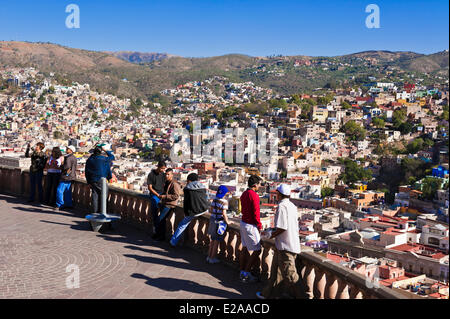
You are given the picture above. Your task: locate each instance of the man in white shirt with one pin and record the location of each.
(283, 274)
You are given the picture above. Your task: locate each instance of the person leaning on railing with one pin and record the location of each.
(283, 274)
(155, 183)
(64, 190)
(54, 168)
(98, 166)
(250, 230)
(38, 160)
(169, 200)
(217, 223)
(195, 204)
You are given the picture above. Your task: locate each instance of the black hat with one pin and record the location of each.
(253, 180)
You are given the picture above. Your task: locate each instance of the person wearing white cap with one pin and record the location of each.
(284, 278)
(64, 190)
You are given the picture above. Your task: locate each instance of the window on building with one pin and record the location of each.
(433, 241)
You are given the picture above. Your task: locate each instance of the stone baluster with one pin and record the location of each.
(118, 204)
(112, 204)
(124, 206)
(223, 246)
(206, 240)
(331, 286)
(231, 252)
(146, 211)
(342, 291)
(201, 232)
(170, 220)
(355, 293)
(319, 283)
(266, 260)
(309, 275)
(130, 209)
(85, 196)
(139, 209)
(193, 232)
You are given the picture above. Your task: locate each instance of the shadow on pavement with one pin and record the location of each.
(172, 284)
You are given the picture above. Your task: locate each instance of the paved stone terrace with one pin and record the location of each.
(38, 243)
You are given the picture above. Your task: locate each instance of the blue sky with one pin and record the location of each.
(217, 27)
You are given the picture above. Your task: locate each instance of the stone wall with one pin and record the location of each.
(321, 277)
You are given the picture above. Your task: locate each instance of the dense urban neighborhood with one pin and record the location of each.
(367, 164)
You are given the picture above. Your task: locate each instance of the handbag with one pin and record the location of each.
(221, 227)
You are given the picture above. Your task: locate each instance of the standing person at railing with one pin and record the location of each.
(195, 204)
(155, 183)
(284, 277)
(169, 199)
(250, 229)
(64, 191)
(38, 161)
(217, 223)
(54, 168)
(98, 166)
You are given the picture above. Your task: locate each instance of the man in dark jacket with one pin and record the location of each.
(98, 167)
(155, 183)
(64, 190)
(38, 160)
(195, 203)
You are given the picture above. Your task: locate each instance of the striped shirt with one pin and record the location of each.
(217, 208)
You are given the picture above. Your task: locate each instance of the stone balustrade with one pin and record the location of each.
(321, 278)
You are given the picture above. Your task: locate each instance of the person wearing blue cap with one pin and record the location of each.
(217, 223)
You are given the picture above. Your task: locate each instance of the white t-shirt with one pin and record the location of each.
(286, 218)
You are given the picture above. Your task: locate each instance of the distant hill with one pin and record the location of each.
(385, 56)
(140, 57)
(147, 73)
(101, 70)
(428, 63)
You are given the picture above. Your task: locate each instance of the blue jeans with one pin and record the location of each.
(180, 230)
(64, 195)
(154, 208)
(36, 180)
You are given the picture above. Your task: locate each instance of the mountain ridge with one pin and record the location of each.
(152, 72)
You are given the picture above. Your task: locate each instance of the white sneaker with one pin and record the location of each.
(207, 259)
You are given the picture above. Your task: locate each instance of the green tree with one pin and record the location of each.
(354, 173)
(354, 131)
(345, 105)
(429, 187)
(398, 117)
(281, 103)
(327, 192)
(42, 99)
(377, 122)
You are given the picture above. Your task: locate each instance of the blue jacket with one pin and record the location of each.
(99, 166)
